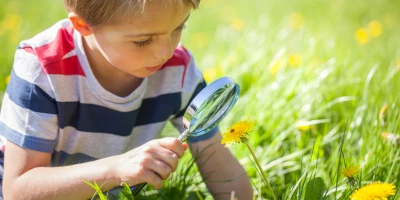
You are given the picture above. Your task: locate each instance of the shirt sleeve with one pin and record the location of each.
(28, 116)
(193, 84)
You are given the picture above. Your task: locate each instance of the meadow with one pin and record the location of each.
(320, 80)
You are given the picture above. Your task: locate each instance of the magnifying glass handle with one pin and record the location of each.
(136, 189)
(182, 138)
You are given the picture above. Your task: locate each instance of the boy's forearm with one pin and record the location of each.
(62, 182)
(217, 165)
(227, 176)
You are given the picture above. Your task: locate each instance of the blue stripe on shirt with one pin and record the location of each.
(94, 118)
(27, 141)
(159, 109)
(30, 96)
(90, 117)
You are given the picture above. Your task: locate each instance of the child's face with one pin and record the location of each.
(142, 45)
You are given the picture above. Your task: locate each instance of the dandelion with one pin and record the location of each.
(7, 80)
(296, 20)
(11, 22)
(210, 74)
(275, 66)
(277, 62)
(295, 60)
(350, 172)
(237, 24)
(303, 125)
(361, 36)
(238, 133)
(391, 137)
(375, 28)
(382, 114)
(374, 191)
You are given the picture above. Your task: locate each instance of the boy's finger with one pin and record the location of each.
(185, 146)
(172, 144)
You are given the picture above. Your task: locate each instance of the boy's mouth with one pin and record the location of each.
(153, 69)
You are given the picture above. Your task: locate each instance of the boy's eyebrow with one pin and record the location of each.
(151, 34)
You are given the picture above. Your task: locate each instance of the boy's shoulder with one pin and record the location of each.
(58, 35)
(53, 47)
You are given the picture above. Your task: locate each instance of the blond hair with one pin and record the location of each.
(104, 12)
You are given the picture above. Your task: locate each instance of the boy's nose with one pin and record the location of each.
(164, 50)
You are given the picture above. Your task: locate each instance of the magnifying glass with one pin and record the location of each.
(206, 110)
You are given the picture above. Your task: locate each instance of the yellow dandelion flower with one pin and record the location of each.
(7, 80)
(275, 66)
(375, 28)
(237, 133)
(303, 125)
(391, 137)
(210, 74)
(361, 36)
(295, 60)
(237, 24)
(349, 172)
(374, 191)
(382, 114)
(277, 62)
(296, 20)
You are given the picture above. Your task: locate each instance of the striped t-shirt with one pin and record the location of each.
(54, 103)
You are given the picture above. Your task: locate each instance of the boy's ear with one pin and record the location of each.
(79, 24)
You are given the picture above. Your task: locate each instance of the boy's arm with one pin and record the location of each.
(27, 174)
(221, 166)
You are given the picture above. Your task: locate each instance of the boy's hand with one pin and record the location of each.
(150, 163)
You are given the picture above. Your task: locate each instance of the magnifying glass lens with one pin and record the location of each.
(213, 110)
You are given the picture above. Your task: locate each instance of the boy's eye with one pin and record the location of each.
(181, 28)
(143, 43)
(149, 41)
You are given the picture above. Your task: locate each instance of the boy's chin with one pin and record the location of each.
(144, 74)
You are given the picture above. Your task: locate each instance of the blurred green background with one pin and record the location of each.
(312, 72)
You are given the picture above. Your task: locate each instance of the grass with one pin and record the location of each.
(295, 61)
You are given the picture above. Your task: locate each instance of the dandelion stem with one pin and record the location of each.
(261, 170)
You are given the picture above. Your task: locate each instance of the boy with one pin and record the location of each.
(88, 97)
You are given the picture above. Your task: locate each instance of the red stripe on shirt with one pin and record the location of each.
(67, 66)
(180, 58)
(51, 55)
